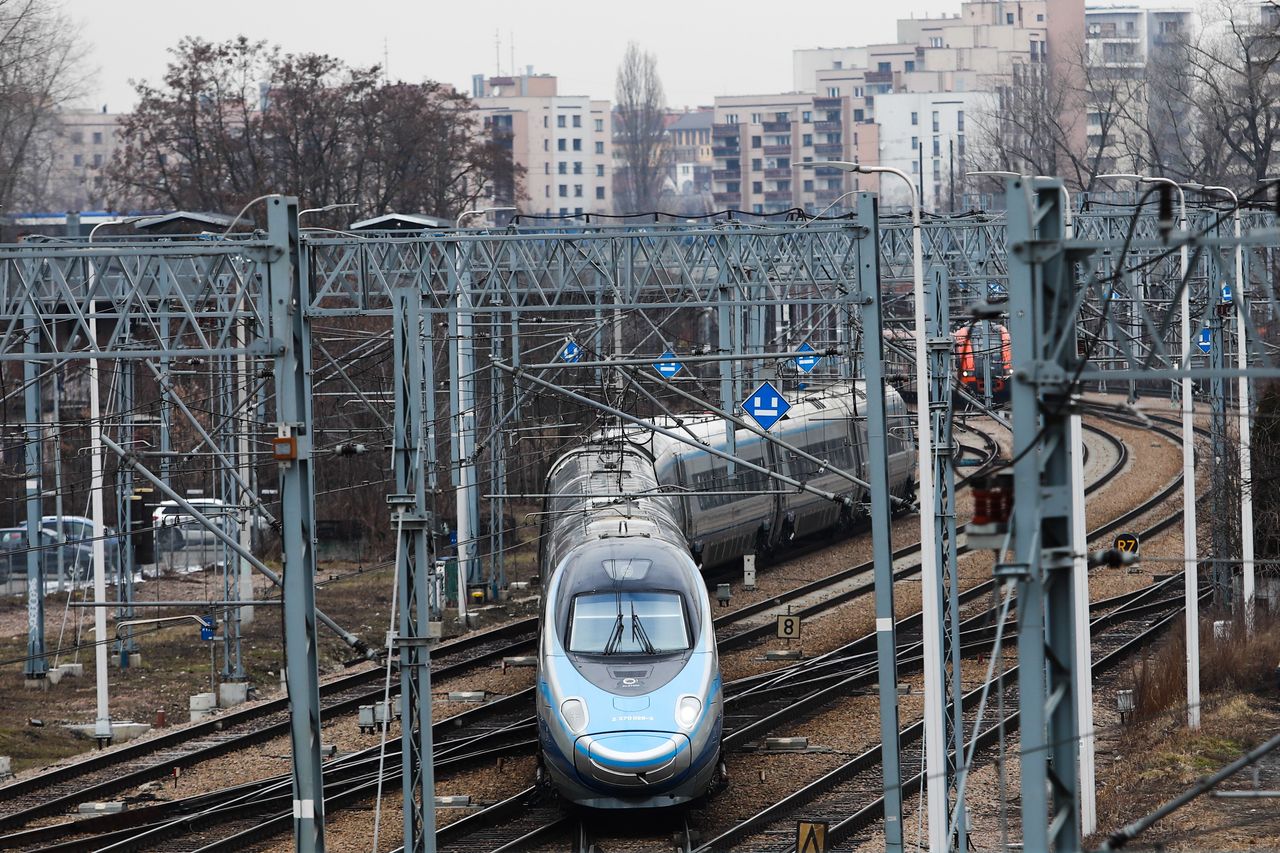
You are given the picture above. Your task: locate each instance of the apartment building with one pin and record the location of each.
(1122, 46)
(759, 143)
(73, 176)
(689, 142)
(926, 135)
(564, 143)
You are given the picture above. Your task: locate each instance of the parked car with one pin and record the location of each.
(176, 528)
(77, 557)
(78, 529)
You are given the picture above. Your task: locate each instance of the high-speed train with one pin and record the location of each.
(629, 695)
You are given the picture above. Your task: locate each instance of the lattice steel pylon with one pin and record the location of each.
(1042, 312)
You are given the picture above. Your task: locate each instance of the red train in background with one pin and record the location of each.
(983, 356)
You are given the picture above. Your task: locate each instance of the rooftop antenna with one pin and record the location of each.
(497, 53)
(512, 35)
(386, 62)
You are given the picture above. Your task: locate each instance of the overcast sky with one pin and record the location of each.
(704, 47)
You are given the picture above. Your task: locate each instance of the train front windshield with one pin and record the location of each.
(628, 622)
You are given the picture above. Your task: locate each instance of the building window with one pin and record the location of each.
(833, 184)
(755, 142)
(935, 41)
(564, 211)
(97, 137)
(806, 139)
(757, 186)
(564, 190)
(600, 193)
(562, 168)
(561, 144)
(937, 147)
(833, 91)
(915, 167)
(730, 118)
(806, 116)
(77, 160)
(1040, 17)
(733, 187)
(833, 139)
(909, 65)
(784, 186)
(577, 168)
(782, 118)
(837, 65)
(599, 125)
(77, 138)
(559, 121)
(756, 164)
(915, 119)
(935, 121)
(599, 170)
(546, 121)
(577, 121)
(599, 147)
(960, 121)
(884, 67)
(577, 190)
(808, 186)
(782, 140)
(577, 145)
(577, 211)
(859, 114)
(1008, 17)
(546, 168)
(915, 143)
(937, 170)
(546, 145)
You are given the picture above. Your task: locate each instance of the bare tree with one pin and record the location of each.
(1236, 66)
(238, 119)
(640, 130)
(1057, 118)
(40, 71)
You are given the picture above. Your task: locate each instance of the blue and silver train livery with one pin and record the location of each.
(630, 700)
(630, 706)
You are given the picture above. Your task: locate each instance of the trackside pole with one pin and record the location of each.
(881, 527)
(1084, 653)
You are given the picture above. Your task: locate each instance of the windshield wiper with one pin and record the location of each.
(615, 636)
(638, 632)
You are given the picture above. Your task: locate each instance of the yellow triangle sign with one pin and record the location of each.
(811, 836)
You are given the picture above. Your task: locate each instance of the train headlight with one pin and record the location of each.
(687, 711)
(575, 714)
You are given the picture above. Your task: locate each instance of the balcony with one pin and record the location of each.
(727, 198)
(879, 77)
(827, 103)
(777, 127)
(724, 131)
(828, 149)
(826, 196)
(726, 152)
(777, 150)
(726, 174)
(826, 127)
(828, 172)
(778, 195)
(784, 174)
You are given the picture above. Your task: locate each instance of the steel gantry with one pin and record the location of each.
(484, 388)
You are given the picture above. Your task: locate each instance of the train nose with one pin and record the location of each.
(632, 759)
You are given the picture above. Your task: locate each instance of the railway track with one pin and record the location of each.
(103, 775)
(519, 729)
